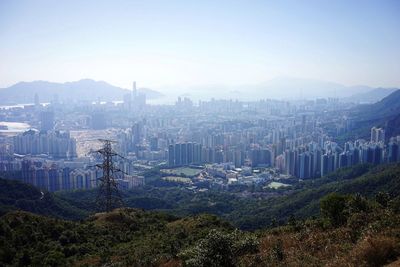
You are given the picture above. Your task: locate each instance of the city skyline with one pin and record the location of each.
(199, 133)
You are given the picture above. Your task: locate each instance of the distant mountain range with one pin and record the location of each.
(298, 88)
(86, 89)
(285, 88)
(289, 87)
(278, 88)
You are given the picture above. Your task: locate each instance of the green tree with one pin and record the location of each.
(333, 208)
(357, 203)
(214, 250)
(220, 249)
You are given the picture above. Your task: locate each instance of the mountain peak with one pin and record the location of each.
(88, 80)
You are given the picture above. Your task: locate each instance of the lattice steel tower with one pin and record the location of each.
(108, 197)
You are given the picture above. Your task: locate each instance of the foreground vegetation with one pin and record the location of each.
(349, 218)
(352, 231)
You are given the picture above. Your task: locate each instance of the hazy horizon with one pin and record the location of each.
(279, 88)
(142, 84)
(166, 44)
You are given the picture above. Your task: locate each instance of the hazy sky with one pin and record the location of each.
(200, 42)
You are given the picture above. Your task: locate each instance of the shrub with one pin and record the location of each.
(376, 251)
(220, 249)
(277, 251)
(333, 208)
(357, 203)
(214, 250)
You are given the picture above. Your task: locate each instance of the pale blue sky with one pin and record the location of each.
(170, 42)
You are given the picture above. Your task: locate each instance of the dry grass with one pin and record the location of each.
(305, 248)
(171, 263)
(375, 251)
(332, 247)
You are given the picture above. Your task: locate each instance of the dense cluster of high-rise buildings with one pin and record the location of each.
(294, 139)
(55, 144)
(62, 175)
(307, 161)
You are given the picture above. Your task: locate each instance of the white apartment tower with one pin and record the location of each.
(377, 135)
(134, 91)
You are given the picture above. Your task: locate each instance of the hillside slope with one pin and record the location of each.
(340, 219)
(250, 213)
(245, 212)
(15, 195)
(303, 202)
(385, 113)
(128, 236)
(371, 96)
(368, 234)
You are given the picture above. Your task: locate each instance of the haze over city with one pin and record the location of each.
(200, 133)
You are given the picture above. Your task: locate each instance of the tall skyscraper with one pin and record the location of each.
(138, 100)
(393, 153)
(171, 155)
(305, 165)
(37, 102)
(303, 123)
(137, 130)
(184, 154)
(46, 120)
(377, 135)
(177, 156)
(134, 91)
(127, 101)
(153, 143)
(99, 121)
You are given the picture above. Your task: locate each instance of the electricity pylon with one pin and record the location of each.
(108, 197)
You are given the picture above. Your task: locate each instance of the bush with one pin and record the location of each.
(55, 258)
(376, 251)
(277, 251)
(220, 249)
(214, 250)
(357, 203)
(333, 208)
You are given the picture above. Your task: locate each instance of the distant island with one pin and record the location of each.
(82, 90)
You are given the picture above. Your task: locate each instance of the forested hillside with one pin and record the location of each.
(351, 231)
(243, 211)
(15, 195)
(252, 212)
